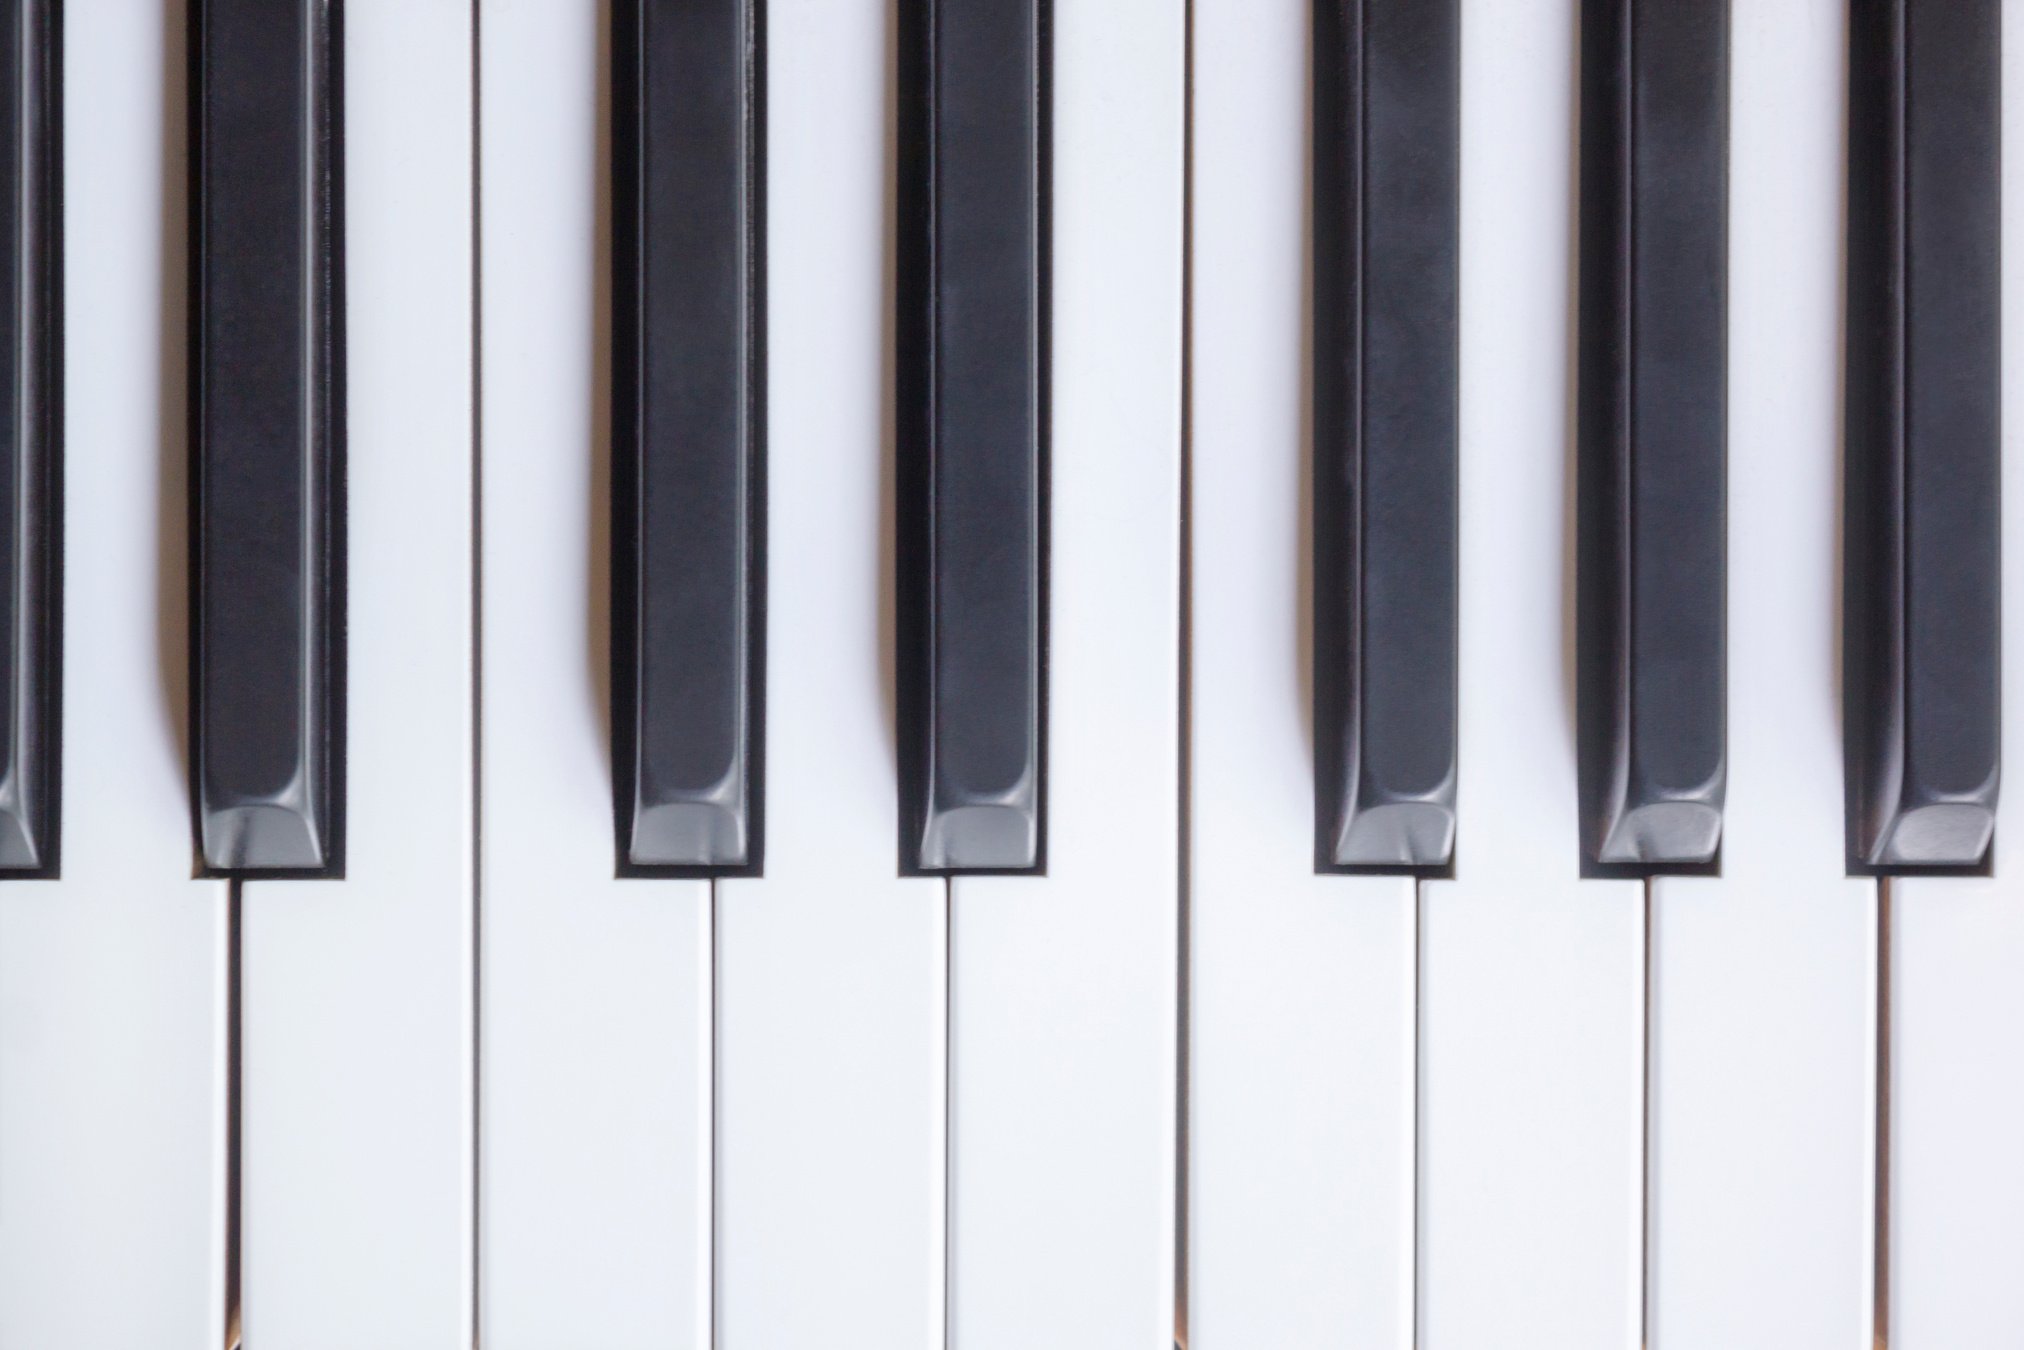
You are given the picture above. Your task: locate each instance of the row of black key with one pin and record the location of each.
(689, 399)
(267, 345)
(689, 430)
(1921, 678)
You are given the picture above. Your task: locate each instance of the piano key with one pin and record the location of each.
(1062, 987)
(1532, 992)
(356, 996)
(972, 315)
(1386, 114)
(1954, 1012)
(1300, 987)
(832, 990)
(1761, 1101)
(30, 399)
(686, 426)
(113, 981)
(266, 372)
(595, 1102)
(1955, 1007)
(1921, 612)
(1653, 400)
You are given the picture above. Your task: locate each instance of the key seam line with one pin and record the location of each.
(1184, 703)
(475, 1087)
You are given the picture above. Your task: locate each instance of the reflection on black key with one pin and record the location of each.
(1386, 135)
(688, 404)
(267, 423)
(1653, 411)
(31, 349)
(1920, 618)
(972, 416)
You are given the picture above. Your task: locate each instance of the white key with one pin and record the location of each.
(1956, 1003)
(1062, 988)
(1300, 1111)
(594, 1203)
(112, 980)
(1531, 979)
(356, 995)
(831, 969)
(1763, 999)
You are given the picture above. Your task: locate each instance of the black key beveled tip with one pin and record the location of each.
(279, 834)
(1944, 834)
(981, 834)
(688, 834)
(704, 828)
(1409, 835)
(20, 850)
(1665, 832)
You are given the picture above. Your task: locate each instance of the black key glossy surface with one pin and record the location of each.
(31, 352)
(1386, 232)
(972, 411)
(267, 430)
(1651, 629)
(1921, 598)
(687, 427)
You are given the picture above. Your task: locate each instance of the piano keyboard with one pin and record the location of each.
(998, 673)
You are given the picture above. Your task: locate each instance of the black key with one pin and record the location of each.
(1386, 229)
(1653, 400)
(972, 417)
(31, 346)
(1921, 620)
(688, 416)
(267, 421)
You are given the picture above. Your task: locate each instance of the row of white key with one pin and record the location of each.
(345, 1196)
(1620, 1119)
(489, 1093)
(832, 1104)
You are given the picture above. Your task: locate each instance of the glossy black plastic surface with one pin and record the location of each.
(1921, 596)
(1386, 235)
(1653, 402)
(687, 427)
(267, 425)
(972, 418)
(31, 352)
